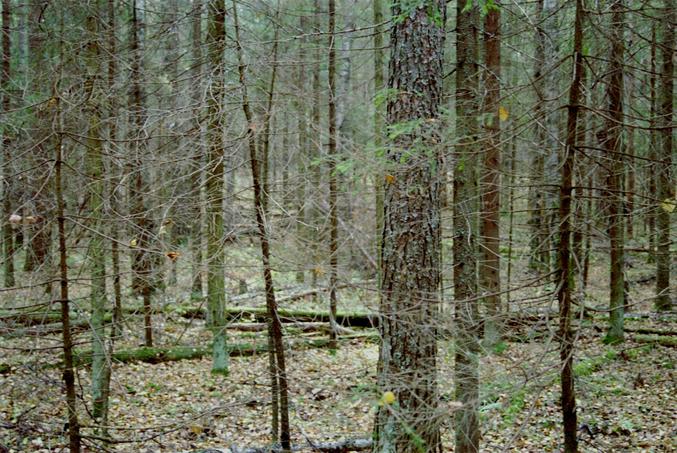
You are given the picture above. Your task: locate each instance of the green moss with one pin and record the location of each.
(663, 340)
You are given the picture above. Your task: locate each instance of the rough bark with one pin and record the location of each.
(410, 244)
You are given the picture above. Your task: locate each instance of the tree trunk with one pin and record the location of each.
(114, 206)
(664, 181)
(216, 285)
(97, 256)
(141, 261)
(302, 152)
(279, 371)
(316, 175)
(379, 65)
(490, 267)
(652, 210)
(613, 145)
(465, 231)
(564, 293)
(73, 425)
(408, 419)
(5, 176)
(196, 179)
(333, 182)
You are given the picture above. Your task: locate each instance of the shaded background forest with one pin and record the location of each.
(169, 167)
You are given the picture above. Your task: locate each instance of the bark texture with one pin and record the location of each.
(410, 244)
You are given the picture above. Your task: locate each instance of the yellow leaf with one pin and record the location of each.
(173, 255)
(390, 179)
(133, 243)
(668, 205)
(503, 113)
(388, 398)
(318, 271)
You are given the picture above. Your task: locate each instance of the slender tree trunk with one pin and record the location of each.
(317, 147)
(653, 147)
(564, 293)
(379, 69)
(216, 285)
(196, 179)
(490, 267)
(630, 184)
(465, 230)
(279, 377)
(407, 419)
(68, 370)
(97, 255)
(302, 154)
(664, 181)
(114, 207)
(5, 75)
(141, 261)
(613, 145)
(538, 243)
(333, 182)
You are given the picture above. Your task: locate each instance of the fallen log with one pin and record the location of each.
(161, 355)
(38, 330)
(301, 326)
(259, 314)
(669, 341)
(30, 318)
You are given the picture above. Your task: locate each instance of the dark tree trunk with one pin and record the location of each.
(68, 370)
(408, 420)
(333, 182)
(664, 181)
(279, 371)
(7, 233)
(216, 284)
(141, 260)
(490, 267)
(564, 294)
(379, 66)
(613, 146)
(465, 230)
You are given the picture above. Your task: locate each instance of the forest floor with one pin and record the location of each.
(625, 393)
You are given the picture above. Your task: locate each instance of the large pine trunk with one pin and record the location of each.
(410, 247)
